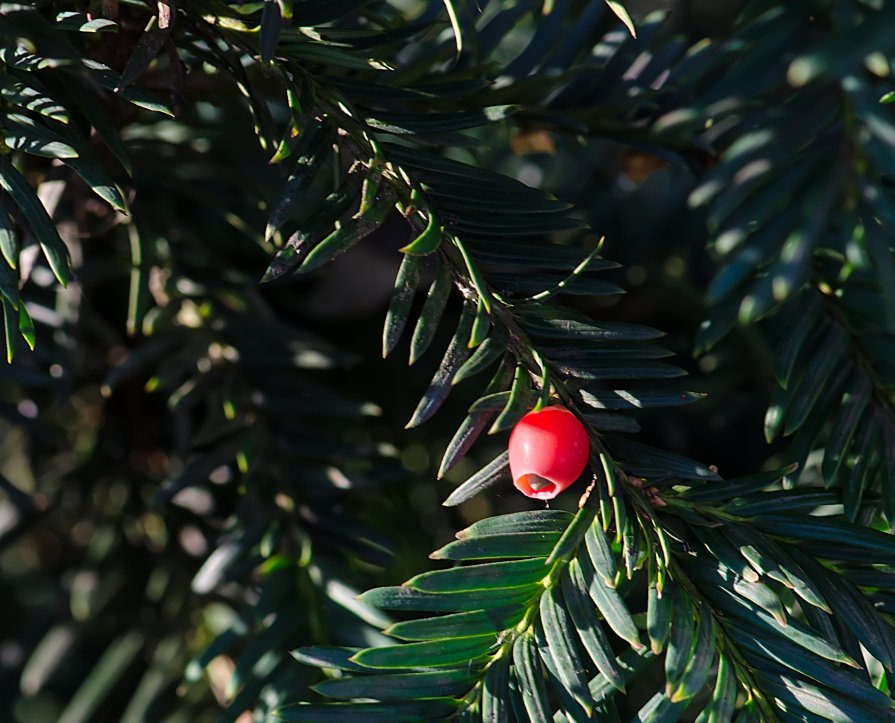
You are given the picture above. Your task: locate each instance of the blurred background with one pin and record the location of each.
(187, 455)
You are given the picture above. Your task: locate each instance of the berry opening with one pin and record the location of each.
(533, 485)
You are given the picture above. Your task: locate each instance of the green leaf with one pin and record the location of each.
(102, 124)
(659, 709)
(472, 426)
(610, 605)
(565, 285)
(487, 224)
(816, 378)
(476, 622)
(427, 654)
(420, 123)
(562, 646)
(757, 550)
(724, 695)
(495, 692)
(785, 363)
(16, 56)
(557, 327)
(782, 501)
(541, 257)
(518, 403)
(10, 328)
(9, 241)
(590, 631)
(455, 26)
(109, 79)
(318, 656)
(469, 431)
(797, 695)
(439, 172)
(636, 399)
(399, 712)
(799, 634)
(792, 656)
(440, 387)
(481, 326)
(595, 353)
(681, 642)
(844, 425)
(483, 357)
(527, 669)
(82, 23)
(32, 96)
(480, 577)
(138, 296)
(621, 369)
(622, 15)
(601, 555)
(793, 266)
(574, 533)
(739, 487)
(611, 422)
(483, 547)
(289, 144)
(720, 321)
(9, 285)
(697, 670)
(847, 603)
(405, 598)
(646, 461)
(332, 56)
(26, 326)
(269, 31)
(819, 529)
(492, 473)
(428, 240)
(431, 313)
(658, 616)
(147, 47)
(399, 686)
(630, 546)
(502, 200)
(550, 521)
(853, 490)
(631, 663)
(351, 232)
(402, 299)
(490, 402)
(21, 133)
(36, 215)
(313, 149)
(475, 276)
(88, 167)
(758, 593)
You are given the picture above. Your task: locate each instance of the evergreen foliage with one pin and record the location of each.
(192, 492)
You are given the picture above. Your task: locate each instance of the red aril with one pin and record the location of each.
(548, 452)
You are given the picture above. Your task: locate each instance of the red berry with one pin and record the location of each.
(548, 452)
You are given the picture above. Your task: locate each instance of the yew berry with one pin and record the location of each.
(548, 451)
